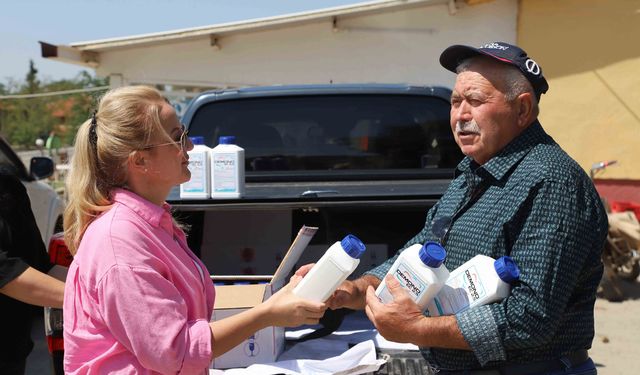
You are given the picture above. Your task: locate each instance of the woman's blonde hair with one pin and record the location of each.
(125, 121)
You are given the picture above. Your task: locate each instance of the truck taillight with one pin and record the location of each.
(58, 251)
(58, 254)
(53, 328)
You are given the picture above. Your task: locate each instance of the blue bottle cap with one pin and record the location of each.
(432, 254)
(507, 269)
(352, 246)
(227, 140)
(197, 140)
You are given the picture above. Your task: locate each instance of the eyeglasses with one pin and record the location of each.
(181, 143)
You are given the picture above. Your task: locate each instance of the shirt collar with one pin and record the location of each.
(498, 166)
(150, 212)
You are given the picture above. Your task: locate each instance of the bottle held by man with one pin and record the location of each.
(420, 271)
(479, 281)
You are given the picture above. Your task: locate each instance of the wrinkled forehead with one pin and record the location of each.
(483, 72)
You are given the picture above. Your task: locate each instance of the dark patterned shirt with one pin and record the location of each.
(534, 203)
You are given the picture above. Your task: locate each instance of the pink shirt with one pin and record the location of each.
(135, 301)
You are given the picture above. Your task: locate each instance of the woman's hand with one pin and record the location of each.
(285, 309)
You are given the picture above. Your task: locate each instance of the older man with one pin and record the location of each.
(515, 193)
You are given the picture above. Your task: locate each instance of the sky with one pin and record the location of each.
(25, 22)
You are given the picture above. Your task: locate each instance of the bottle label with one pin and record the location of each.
(408, 280)
(198, 181)
(224, 171)
(470, 281)
(460, 292)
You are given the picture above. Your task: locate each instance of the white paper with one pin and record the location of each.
(358, 360)
(355, 328)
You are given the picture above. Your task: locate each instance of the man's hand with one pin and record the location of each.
(398, 321)
(351, 294)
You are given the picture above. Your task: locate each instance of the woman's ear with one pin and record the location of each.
(137, 162)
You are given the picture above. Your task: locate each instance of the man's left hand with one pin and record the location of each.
(398, 320)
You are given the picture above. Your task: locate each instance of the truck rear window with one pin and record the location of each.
(334, 132)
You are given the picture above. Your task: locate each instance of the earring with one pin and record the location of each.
(145, 170)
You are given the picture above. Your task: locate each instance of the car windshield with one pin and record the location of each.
(334, 132)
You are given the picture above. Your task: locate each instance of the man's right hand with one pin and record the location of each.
(352, 294)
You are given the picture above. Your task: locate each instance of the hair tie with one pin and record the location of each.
(93, 136)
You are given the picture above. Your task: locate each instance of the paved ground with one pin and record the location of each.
(615, 347)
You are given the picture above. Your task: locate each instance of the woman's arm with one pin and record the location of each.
(283, 309)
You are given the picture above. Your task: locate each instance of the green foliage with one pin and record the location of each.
(24, 120)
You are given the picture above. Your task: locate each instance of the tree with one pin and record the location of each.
(32, 81)
(22, 121)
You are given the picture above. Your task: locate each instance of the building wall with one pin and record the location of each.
(590, 52)
(396, 47)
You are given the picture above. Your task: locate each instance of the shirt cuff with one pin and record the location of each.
(198, 355)
(480, 330)
(10, 269)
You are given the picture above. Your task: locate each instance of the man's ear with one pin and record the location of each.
(524, 104)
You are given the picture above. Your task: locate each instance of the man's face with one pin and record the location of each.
(482, 120)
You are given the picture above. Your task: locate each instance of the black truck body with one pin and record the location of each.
(366, 159)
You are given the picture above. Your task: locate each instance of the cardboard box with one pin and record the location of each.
(266, 344)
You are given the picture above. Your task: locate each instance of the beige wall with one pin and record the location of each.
(590, 52)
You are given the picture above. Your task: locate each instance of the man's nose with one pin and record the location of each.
(462, 112)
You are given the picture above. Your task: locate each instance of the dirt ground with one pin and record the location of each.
(615, 346)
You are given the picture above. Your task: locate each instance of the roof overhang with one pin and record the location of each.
(69, 55)
(87, 53)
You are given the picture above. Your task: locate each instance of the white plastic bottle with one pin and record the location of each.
(199, 186)
(420, 271)
(227, 169)
(479, 281)
(337, 263)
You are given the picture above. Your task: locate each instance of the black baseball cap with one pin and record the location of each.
(501, 51)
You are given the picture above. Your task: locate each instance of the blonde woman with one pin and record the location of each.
(137, 300)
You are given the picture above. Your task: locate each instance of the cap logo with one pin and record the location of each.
(532, 67)
(495, 45)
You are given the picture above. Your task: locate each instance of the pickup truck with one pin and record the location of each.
(367, 159)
